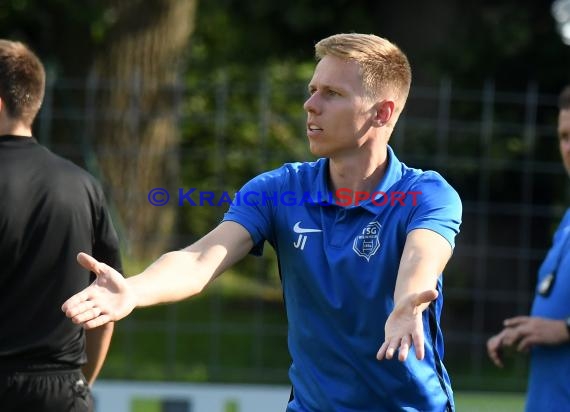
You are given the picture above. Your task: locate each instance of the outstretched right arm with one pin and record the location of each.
(173, 277)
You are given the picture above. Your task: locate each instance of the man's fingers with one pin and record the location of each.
(382, 351)
(512, 336)
(508, 340)
(89, 262)
(388, 349)
(517, 320)
(95, 323)
(86, 315)
(525, 344)
(405, 328)
(70, 305)
(404, 349)
(495, 357)
(390, 352)
(419, 345)
(79, 308)
(493, 350)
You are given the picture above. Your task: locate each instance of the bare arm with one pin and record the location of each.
(181, 274)
(97, 346)
(173, 277)
(424, 257)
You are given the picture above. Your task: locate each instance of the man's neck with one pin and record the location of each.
(358, 174)
(13, 126)
(16, 130)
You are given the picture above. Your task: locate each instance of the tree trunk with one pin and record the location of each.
(138, 75)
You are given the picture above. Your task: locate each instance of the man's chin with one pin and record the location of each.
(316, 151)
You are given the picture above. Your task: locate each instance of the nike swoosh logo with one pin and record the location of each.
(298, 229)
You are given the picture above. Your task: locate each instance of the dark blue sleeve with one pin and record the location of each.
(254, 207)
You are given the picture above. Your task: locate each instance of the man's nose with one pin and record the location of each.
(311, 104)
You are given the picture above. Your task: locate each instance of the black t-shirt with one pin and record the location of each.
(50, 209)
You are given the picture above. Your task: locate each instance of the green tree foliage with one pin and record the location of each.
(64, 33)
(247, 54)
(469, 41)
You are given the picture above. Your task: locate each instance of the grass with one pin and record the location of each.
(489, 402)
(464, 402)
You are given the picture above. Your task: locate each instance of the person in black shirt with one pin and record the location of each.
(50, 209)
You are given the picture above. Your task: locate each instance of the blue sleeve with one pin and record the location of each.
(556, 252)
(254, 207)
(438, 207)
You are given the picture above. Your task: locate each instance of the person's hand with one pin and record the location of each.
(404, 327)
(528, 331)
(107, 299)
(524, 332)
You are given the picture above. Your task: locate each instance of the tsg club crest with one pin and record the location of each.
(367, 243)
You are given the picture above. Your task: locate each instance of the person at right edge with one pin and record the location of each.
(546, 332)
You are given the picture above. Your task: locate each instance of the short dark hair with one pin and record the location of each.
(564, 99)
(22, 81)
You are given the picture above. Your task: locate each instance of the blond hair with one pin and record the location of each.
(383, 66)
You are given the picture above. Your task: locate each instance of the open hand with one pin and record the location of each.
(404, 327)
(107, 299)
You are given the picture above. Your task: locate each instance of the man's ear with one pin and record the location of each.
(384, 112)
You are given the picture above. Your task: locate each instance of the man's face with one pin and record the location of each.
(564, 137)
(338, 115)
